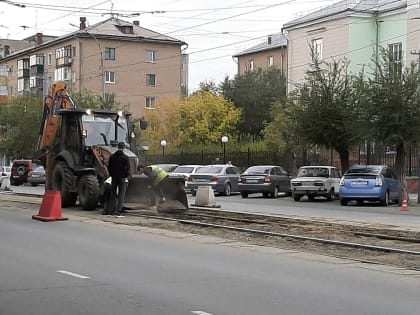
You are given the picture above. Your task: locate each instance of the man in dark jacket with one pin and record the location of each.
(119, 170)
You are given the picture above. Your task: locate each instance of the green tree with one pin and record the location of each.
(327, 109)
(255, 92)
(394, 111)
(198, 120)
(209, 86)
(88, 99)
(20, 119)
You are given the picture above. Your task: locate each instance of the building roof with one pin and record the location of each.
(349, 7)
(15, 45)
(272, 42)
(111, 28)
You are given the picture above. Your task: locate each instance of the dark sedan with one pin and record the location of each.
(269, 180)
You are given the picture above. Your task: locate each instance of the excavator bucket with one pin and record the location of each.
(139, 194)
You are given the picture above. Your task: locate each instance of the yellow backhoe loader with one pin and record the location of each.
(75, 145)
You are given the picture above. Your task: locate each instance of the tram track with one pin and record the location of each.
(379, 245)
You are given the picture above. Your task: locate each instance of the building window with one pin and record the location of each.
(251, 65)
(270, 61)
(23, 64)
(150, 102)
(316, 49)
(49, 59)
(109, 53)
(109, 77)
(151, 79)
(62, 74)
(151, 56)
(395, 51)
(395, 57)
(62, 52)
(35, 60)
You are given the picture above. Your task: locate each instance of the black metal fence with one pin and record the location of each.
(289, 161)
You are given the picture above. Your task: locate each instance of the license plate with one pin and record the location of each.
(359, 183)
(201, 180)
(252, 181)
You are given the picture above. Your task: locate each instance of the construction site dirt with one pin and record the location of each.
(367, 243)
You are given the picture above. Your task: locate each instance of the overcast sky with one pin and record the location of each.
(213, 29)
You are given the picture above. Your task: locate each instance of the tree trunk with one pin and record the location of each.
(344, 159)
(399, 167)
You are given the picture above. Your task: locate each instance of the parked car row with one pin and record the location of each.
(225, 179)
(361, 183)
(26, 171)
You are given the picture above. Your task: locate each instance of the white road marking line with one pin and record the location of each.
(201, 313)
(76, 275)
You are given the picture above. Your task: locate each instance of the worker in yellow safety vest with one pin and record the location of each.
(158, 182)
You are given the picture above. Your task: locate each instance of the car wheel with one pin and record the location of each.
(331, 195)
(296, 198)
(228, 190)
(343, 202)
(244, 194)
(275, 192)
(385, 201)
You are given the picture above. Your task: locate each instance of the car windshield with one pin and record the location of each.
(210, 170)
(313, 172)
(101, 129)
(258, 170)
(184, 169)
(364, 170)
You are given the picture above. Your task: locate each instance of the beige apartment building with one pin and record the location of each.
(268, 54)
(139, 66)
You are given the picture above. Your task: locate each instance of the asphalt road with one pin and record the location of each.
(85, 266)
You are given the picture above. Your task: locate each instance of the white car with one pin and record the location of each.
(5, 172)
(184, 171)
(313, 181)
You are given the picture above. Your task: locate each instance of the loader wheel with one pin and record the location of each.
(89, 192)
(62, 180)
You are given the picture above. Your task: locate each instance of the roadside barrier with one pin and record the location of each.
(5, 184)
(50, 207)
(205, 197)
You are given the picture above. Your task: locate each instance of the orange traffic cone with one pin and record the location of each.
(404, 206)
(50, 207)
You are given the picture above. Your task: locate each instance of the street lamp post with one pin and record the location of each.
(163, 144)
(224, 141)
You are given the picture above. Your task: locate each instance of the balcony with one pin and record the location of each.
(23, 73)
(64, 61)
(37, 69)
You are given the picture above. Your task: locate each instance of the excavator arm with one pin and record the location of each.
(59, 99)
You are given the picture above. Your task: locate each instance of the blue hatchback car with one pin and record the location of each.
(370, 183)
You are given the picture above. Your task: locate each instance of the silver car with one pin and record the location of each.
(223, 179)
